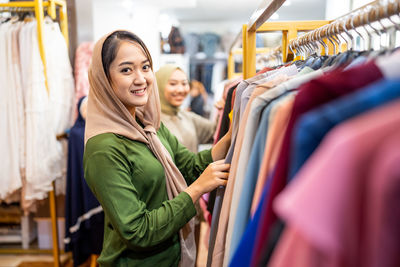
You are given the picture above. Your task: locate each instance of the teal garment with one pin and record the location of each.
(141, 224)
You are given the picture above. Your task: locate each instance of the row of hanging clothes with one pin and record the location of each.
(32, 116)
(84, 216)
(314, 178)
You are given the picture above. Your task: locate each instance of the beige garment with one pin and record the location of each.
(189, 128)
(107, 114)
(219, 249)
(272, 147)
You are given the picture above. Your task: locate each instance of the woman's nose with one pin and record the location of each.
(139, 78)
(182, 88)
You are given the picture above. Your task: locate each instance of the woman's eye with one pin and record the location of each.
(125, 70)
(146, 67)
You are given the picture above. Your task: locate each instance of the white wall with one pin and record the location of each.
(337, 8)
(140, 19)
(84, 20)
(216, 26)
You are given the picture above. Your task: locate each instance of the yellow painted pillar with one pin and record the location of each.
(52, 198)
(249, 52)
(245, 47)
(231, 65)
(51, 9)
(64, 22)
(54, 226)
(39, 20)
(292, 34)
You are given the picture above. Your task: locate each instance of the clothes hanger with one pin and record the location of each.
(396, 25)
(343, 24)
(364, 17)
(343, 56)
(355, 30)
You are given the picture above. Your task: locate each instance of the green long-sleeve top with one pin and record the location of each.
(141, 224)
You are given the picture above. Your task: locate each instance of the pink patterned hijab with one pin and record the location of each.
(107, 114)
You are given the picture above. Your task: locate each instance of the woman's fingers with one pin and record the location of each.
(222, 175)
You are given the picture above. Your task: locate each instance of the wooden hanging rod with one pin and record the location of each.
(259, 16)
(263, 13)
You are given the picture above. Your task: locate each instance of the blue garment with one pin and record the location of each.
(254, 165)
(207, 76)
(192, 43)
(214, 222)
(243, 254)
(84, 217)
(315, 124)
(259, 41)
(356, 62)
(209, 43)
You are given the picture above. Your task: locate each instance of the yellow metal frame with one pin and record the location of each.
(289, 31)
(38, 7)
(239, 51)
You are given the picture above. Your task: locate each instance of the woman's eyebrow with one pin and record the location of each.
(125, 63)
(131, 63)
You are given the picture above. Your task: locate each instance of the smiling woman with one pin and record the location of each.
(135, 167)
(130, 74)
(190, 129)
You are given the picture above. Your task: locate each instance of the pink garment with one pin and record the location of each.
(83, 56)
(341, 208)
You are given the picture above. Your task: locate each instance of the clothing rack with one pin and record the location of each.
(239, 51)
(324, 34)
(327, 35)
(258, 24)
(372, 12)
(38, 6)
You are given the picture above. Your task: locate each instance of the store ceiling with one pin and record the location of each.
(241, 10)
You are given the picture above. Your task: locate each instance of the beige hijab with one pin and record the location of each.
(107, 114)
(162, 76)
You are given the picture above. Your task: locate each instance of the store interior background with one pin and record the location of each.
(152, 21)
(91, 19)
(94, 18)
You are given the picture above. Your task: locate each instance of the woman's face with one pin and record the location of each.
(131, 75)
(177, 88)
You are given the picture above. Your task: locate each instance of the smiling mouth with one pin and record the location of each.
(138, 91)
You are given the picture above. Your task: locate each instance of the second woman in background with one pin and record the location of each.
(189, 128)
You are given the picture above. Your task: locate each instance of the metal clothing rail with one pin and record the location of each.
(374, 11)
(239, 51)
(259, 16)
(258, 24)
(289, 31)
(38, 7)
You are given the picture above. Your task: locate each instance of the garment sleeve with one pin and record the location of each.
(205, 128)
(109, 177)
(190, 164)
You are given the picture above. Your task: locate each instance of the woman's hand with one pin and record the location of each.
(214, 175)
(220, 149)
